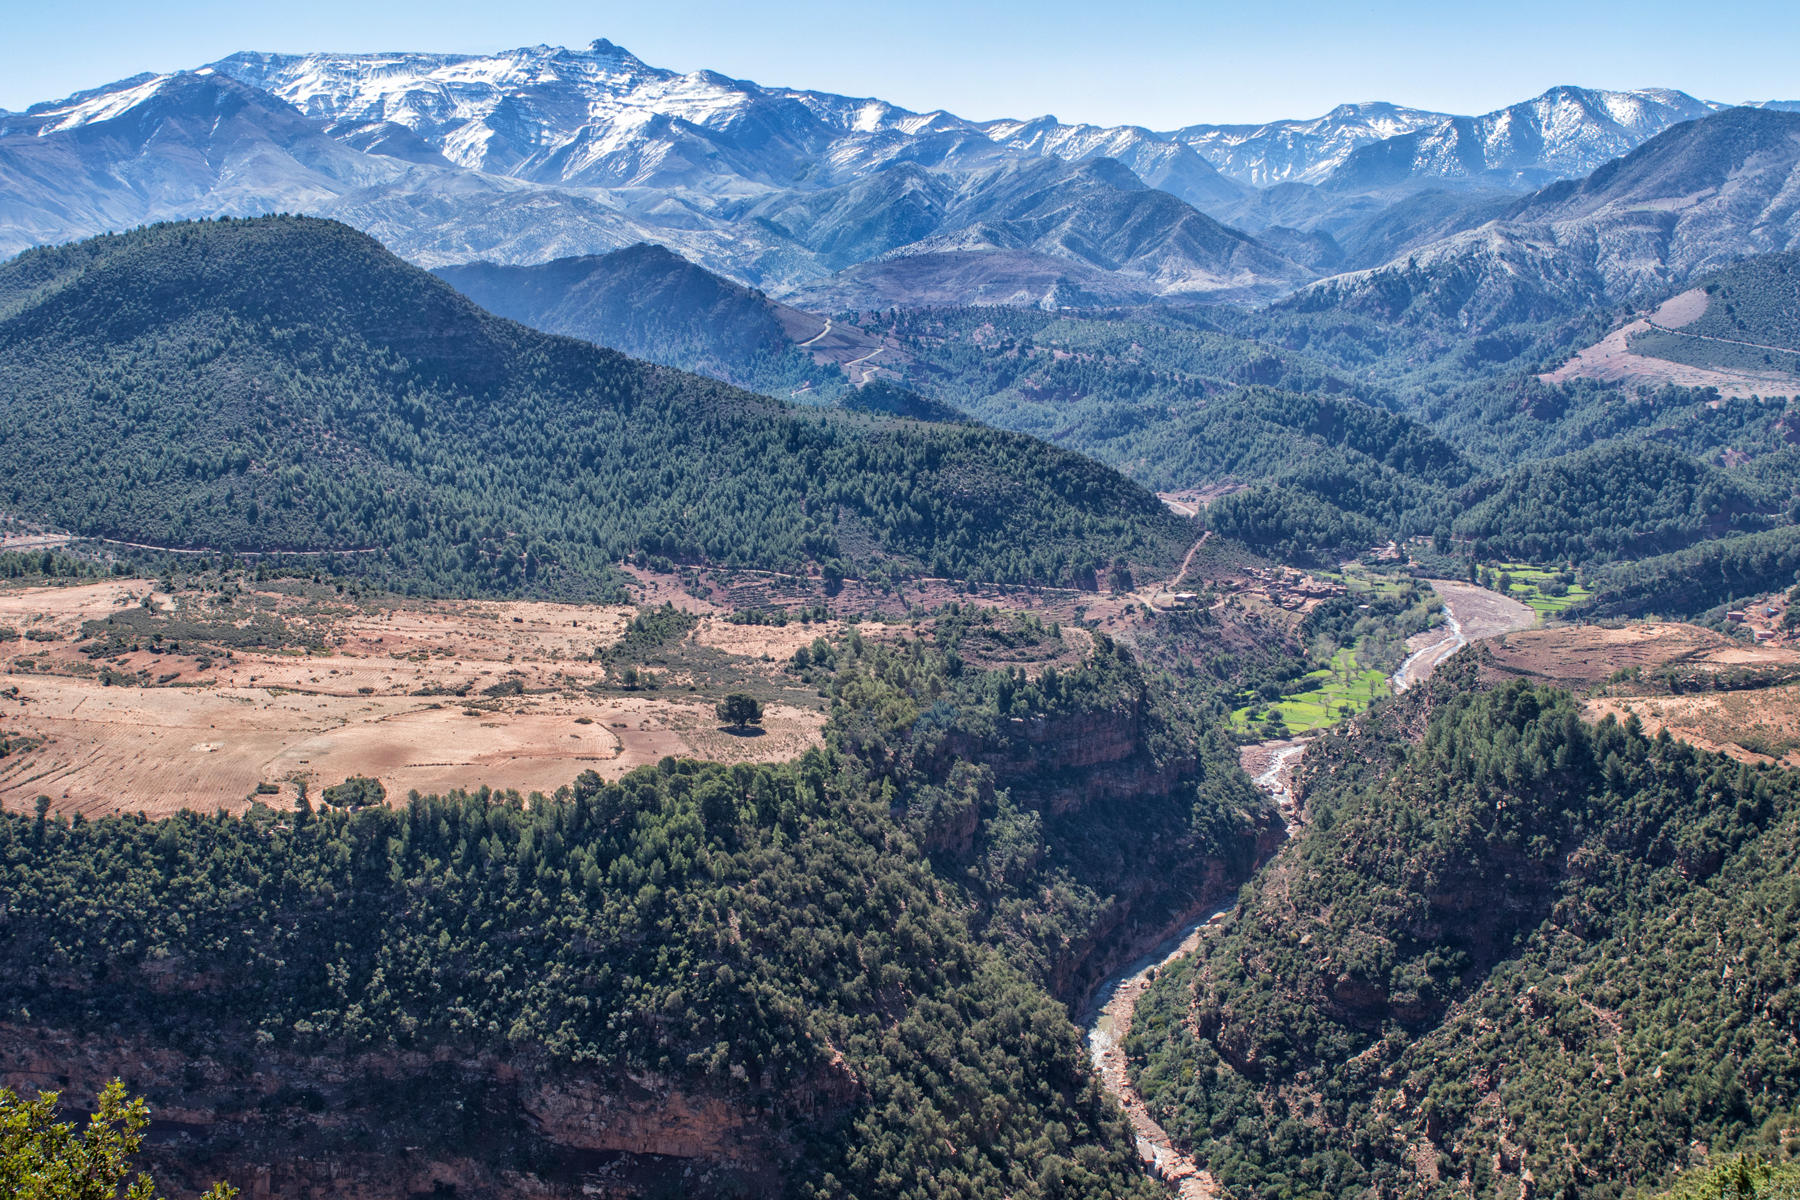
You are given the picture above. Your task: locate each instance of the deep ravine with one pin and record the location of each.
(1471, 613)
(1107, 1018)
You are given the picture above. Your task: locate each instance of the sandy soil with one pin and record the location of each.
(1731, 723)
(1483, 613)
(1610, 360)
(1473, 613)
(63, 609)
(777, 642)
(218, 724)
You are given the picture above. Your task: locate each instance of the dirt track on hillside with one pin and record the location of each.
(1611, 360)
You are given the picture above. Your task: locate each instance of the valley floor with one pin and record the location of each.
(1108, 1020)
(1475, 613)
(1270, 766)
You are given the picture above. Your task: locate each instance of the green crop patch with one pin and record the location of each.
(1548, 592)
(1330, 695)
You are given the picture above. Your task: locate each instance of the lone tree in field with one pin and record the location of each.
(42, 1158)
(740, 711)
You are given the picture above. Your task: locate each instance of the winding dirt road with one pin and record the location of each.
(815, 337)
(1189, 560)
(868, 373)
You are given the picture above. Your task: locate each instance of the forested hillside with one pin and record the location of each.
(1519, 948)
(1742, 1177)
(1079, 806)
(853, 954)
(286, 384)
(758, 934)
(1177, 402)
(1701, 577)
(1628, 499)
(1098, 381)
(1349, 431)
(1355, 903)
(652, 304)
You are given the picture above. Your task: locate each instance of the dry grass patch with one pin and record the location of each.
(1762, 725)
(1589, 655)
(196, 700)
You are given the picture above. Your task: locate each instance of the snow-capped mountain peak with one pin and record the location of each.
(1565, 132)
(542, 151)
(99, 104)
(510, 112)
(1301, 151)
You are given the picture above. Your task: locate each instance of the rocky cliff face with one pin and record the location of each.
(1113, 816)
(381, 1126)
(1062, 764)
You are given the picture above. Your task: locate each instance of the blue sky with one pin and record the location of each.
(1157, 62)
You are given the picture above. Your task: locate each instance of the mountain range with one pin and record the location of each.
(1691, 200)
(830, 201)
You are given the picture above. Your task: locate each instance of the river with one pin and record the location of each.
(1471, 613)
(1109, 1012)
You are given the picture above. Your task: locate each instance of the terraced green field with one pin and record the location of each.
(1528, 583)
(1335, 692)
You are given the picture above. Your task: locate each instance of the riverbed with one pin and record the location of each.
(1471, 613)
(1107, 1020)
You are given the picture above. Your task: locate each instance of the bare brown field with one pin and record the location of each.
(422, 695)
(1761, 725)
(1586, 655)
(1611, 360)
(1711, 709)
(722, 591)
